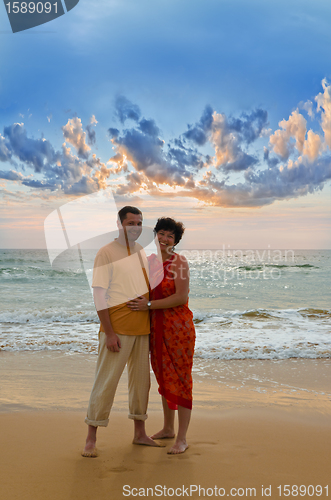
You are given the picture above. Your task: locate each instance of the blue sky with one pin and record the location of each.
(187, 97)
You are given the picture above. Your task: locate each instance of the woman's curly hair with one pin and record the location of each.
(168, 224)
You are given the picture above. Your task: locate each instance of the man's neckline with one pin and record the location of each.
(124, 246)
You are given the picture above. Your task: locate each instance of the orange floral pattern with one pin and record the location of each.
(172, 343)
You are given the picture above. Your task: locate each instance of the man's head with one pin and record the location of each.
(122, 214)
(130, 220)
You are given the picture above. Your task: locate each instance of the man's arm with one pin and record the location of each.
(113, 342)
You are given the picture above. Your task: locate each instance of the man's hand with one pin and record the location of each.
(113, 342)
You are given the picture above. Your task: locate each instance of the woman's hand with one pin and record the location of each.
(138, 304)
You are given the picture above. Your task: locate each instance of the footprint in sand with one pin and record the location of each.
(114, 470)
(120, 469)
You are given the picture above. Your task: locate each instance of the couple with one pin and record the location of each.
(119, 273)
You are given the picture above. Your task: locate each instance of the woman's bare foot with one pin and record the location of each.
(163, 434)
(145, 441)
(90, 450)
(178, 447)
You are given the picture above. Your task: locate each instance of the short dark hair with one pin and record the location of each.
(168, 224)
(128, 210)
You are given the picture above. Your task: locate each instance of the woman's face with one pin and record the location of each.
(166, 240)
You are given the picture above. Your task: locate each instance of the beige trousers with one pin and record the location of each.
(110, 365)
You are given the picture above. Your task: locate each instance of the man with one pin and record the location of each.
(118, 276)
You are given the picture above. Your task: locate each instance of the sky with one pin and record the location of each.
(214, 112)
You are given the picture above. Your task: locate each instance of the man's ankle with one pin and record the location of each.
(91, 440)
(139, 428)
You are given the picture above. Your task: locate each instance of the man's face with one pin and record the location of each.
(132, 224)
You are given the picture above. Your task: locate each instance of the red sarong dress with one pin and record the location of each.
(171, 342)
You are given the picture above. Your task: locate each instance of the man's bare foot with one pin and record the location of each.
(145, 441)
(162, 434)
(178, 447)
(90, 450)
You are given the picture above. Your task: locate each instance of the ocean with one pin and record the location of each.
(247, 304)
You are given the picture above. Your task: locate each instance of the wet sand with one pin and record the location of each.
(255, 425)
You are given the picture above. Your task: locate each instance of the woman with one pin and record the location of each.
(172, 333)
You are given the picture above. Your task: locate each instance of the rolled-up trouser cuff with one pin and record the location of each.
(97, 423)
(138, 417)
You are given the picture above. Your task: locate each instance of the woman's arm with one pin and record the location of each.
(180, 272)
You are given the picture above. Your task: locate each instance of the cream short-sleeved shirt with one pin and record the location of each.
(122, 277)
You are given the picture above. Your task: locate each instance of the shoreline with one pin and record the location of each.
(53, 380)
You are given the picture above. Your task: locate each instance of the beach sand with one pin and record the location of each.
(255, 424)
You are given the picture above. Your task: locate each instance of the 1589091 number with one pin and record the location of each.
(302, 490)
(31, 7)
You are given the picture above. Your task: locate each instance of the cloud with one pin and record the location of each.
(250, 125)
(61, 170)
(198, 133)
(271, 162)
(149, 127)
(292, 166)
(308, 106)
(5, 153)
(312, 146)
(219, 160)
(187, 157)
(293, 128)
(265, 187)
(36, 153)
(91, 137)
(11, 175)
(125, 109)
(227, 138)
(294, 138)
(292, 180)
(74, 134)
(113, 132)
(38, 184)
(142, 147)
(75, 176)
(324, 105)
(177, 163)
